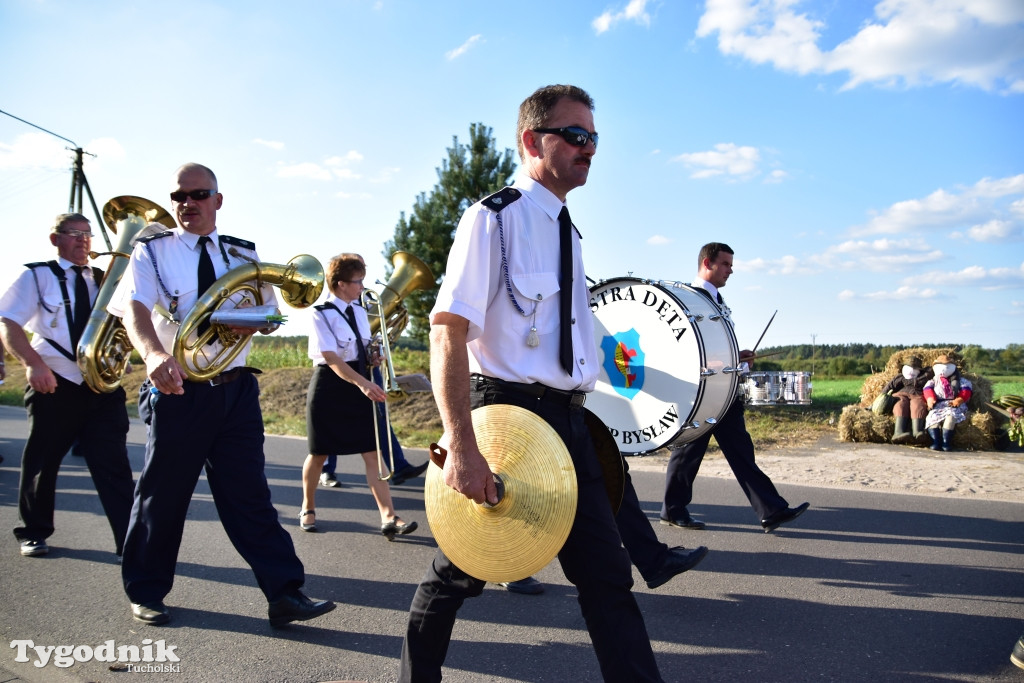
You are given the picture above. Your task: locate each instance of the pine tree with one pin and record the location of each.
(470, 173)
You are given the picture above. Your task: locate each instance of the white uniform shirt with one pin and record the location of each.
(177, 261)
(331, 332)
(47, 320)
(474, 288)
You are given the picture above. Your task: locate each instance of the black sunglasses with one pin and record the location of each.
(194, 195)
(574, 135)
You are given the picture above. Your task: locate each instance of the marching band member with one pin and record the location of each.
(499, 315)
(341, 396)
(216, 425)
(53, 300)
(714, 268)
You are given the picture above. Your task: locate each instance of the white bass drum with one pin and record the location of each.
(669, 362)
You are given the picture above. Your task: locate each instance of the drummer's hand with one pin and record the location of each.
(469, 474)
(747, 356)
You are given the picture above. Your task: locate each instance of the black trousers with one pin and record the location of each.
(646, 552)
(592, 558)
(220, 429)
(98, 423)
(738, 449)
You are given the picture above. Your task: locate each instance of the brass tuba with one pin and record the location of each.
(301, 280)
(104, 349)
(410, 274)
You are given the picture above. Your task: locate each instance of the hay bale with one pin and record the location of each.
(978, 432)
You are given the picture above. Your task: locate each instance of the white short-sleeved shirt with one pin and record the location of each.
(41, 311)
(164, 267)
(474, 288)
(331, 332)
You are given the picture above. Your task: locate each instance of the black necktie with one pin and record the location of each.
(720, 299)
(82, 306)
(565, 289)
(351, 315)
(206, 277)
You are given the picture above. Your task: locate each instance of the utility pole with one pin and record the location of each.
(813, 337)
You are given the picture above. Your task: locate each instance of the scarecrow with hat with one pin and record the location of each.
(910, 408)
(947, 394)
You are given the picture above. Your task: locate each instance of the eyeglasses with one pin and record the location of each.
(355, 282)
(194, 195)
(77, 234)
(574, 135)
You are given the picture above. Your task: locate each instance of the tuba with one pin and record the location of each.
(409, 275)
(104, 349)
(301, 280)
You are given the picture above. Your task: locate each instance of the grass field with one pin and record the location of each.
(416, 422)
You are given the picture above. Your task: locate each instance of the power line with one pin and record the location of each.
(39, 127)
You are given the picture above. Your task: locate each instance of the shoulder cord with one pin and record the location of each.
(504, 272)
(173, 307)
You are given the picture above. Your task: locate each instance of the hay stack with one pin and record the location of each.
(978, 432)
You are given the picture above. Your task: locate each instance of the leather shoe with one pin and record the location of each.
(154, 613)
(34, 548)
(397, 526)
(685, 522)
(408, 472)
(296, 607)
(784, 516)
(677, 561)
(527, 586)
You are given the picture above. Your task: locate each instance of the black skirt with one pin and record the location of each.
(339, 417)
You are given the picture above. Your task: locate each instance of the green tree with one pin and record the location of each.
(470, 173)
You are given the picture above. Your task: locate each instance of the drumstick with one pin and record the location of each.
(763, 355)
(765, 331)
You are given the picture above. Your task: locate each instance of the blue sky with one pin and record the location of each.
(865, 160)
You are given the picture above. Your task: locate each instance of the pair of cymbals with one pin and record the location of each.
(526, 529)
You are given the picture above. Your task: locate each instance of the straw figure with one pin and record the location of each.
(978, 432)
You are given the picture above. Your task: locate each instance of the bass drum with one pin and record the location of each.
(669, 362)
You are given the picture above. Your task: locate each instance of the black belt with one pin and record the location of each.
(569, 399)
(233, 374)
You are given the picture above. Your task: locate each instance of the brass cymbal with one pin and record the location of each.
(525, 530)
(608, 455)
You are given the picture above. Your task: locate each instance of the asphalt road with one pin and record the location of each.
(864, 586)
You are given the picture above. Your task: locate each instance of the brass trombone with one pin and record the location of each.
(380, 346)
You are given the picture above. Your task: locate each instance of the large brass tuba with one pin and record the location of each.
(301, 280)
(410, 274)
(104, 349)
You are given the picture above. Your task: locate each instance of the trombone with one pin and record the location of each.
(380, 346)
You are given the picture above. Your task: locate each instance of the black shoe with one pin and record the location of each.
(397, 526)
(34, 548)
(296, 607)
(154, 613)
(329, 480)
(784, 516)
(527, 586)
(676, 562)
(408, 472)
(1017, 656)
(684, 522)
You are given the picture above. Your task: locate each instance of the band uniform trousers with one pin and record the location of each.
(738, 449)
(98, 423)
(219, 428)
(592, 559)
(645, 550)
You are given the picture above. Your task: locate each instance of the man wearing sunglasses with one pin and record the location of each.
(53, 300)
(216, 424)
(501, 320)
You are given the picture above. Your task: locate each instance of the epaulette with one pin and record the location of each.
(244, 244)
(502, 198)
(37, 264)
(322, 307)
(154, 236)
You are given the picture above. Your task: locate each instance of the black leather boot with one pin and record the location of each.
(947, 439)
(936, 435)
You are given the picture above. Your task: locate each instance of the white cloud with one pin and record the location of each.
(909, 42)
(307, 170)
(634, 12)
(784, 265)
(272, 144)
(35, 150)
(346, 174)
(462, 49)
(880, 255)
(352, 156)
(776, 176)
(658, 240)
(901, 293)
(977, 209)
(726, 158)
(975, 276)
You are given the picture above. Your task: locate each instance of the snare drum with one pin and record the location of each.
(777, 388)
(668, 362)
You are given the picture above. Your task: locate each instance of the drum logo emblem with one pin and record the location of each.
(624, 362)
